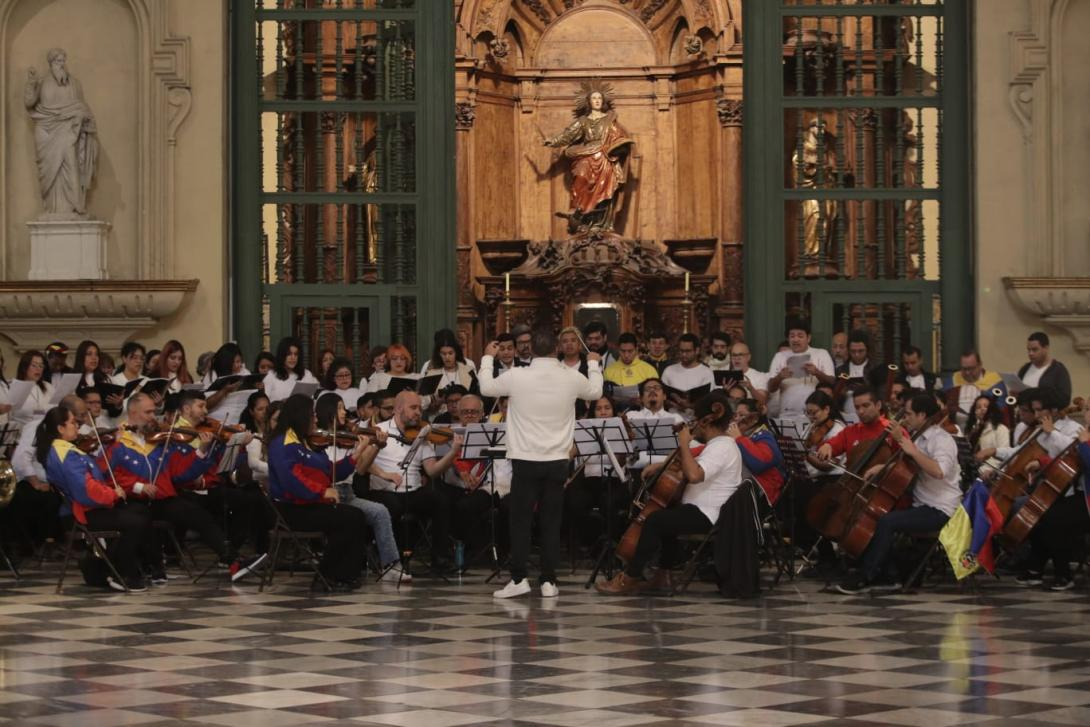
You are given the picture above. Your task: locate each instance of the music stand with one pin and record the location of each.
(487, 441)
(604, 438)
(793, 450)
(652, 437)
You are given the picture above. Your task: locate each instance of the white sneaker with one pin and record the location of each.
(394, 574)
(549, 590)
(513, 589)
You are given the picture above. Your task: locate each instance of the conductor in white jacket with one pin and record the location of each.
(540, 432)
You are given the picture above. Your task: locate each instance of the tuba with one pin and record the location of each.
(7, 482)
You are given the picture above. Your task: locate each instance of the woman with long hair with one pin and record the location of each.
(375, 363)
(133, 355)
(338, 379)
(260, 418)
(288, 370)
(986, 430)
(172, 366)
(327, 410)
(264, 363)
(96, 499)
(31, 368)
(301, 485)
(88, 358)
(447, 359)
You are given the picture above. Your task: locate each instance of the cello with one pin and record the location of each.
(664, 490)
(1051, 484)
(1010, 481)
(878, 495)
(827, 512)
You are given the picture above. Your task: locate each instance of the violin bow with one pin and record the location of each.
(106, 458)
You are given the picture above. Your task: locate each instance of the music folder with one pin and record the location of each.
(245, 381)
(692, 395)
(728, 377)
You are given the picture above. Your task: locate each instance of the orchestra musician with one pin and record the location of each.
(1043, 371)
(966, 384)
(590, 490)
(935, 495)
(912, 374)
(762, 460)
(96, 500)
(301, 483)
(540, 432)
(824, 424)
(147, 466)
(1061, 528)
(871, 425)
(653, 397)
(986, 431)
(712, 476)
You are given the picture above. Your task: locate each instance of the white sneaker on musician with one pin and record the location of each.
(394, 574)
(549, 590)
(513, 588)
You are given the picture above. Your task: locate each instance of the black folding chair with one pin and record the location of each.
(299, 539)
(94, 539)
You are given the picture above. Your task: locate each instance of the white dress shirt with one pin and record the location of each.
(722, 464)
(541, 405)
(279, 389)
(942, 493)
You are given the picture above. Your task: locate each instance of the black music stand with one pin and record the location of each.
(604, 438)
(487, 441)
(653, 437)
(793, 450)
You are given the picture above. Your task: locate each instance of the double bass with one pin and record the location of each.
(1051, 484)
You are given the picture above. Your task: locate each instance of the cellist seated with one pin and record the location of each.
(712, 478)
(935, 496)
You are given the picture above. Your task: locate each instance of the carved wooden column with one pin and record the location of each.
(730, 311)
(469, 335)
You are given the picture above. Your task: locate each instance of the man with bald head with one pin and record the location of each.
(402, 489)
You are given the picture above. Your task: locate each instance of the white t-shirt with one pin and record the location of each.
(389, 459)
(279, 389)
(678, 377)
(794, 392)
(715, 365)
(1033, 375)
(349, 396)
(757, 379)
(722, 465)
(916, 382)
(255, 457)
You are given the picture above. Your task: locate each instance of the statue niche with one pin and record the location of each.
(598, 148)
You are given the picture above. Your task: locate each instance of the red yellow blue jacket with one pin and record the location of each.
(133, 460)
(187, 456)
(300, 475)
(762, 457)
(78, 476)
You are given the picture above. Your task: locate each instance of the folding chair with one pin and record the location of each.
(180, 551)
(93, 539)
(696, 559)
(777, 549)
(8, 562)
(927, 563)
(299, 540)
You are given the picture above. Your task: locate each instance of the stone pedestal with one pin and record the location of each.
(68, 249)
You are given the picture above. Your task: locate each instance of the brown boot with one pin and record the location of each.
(621, 585)
(661, 582)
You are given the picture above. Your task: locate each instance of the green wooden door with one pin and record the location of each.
(856, 173)
(343, 169)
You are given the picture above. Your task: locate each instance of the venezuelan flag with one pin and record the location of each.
(967, 537)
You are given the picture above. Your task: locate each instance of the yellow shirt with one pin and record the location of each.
(632, 374)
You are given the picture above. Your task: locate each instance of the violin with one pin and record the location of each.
(342, 439)
(223, 432)
(88, 443)
(436, 435)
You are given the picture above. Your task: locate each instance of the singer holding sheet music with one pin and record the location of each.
(540, 432)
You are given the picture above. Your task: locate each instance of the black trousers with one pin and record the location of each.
(346, 532)
(426, 502)
(540, 485)
(660, 533)
(802, 491)
(469, 514)
(1054, 537)
(33, 512)
(136, 546)
(185, 514)
(244, 511)
(608, 495)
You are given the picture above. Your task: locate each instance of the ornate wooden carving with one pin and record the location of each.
(730, 111)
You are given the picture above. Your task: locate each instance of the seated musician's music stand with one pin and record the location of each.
(604, 438)
(653, 437)
(487, 441)
(794, 460)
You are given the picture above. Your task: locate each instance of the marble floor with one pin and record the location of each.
(439, 655)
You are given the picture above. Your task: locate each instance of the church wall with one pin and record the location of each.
(102, 40)
(1008, 241)
(495, 155)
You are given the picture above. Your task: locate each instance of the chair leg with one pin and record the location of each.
(8, 562)
(100, 551)
(689, 571)
(274, 559)
(918, 570)
(67, 557)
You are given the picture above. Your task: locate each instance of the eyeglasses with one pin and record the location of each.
(342, 375)
(471, 412)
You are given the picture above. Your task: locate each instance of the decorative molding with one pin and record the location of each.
(1062, 302)
(730, 111)
(465, 113)
(108, 311)
(162, 104)
(538, 8)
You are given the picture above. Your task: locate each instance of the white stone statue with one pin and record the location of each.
(64, 139)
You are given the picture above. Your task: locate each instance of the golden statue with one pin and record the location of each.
(598, 148)
(818, 225)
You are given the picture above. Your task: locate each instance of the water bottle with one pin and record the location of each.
(459, 554)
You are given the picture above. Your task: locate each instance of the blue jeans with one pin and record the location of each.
(922, 519)
(378, 518)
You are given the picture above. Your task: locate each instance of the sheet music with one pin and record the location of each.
(230, 409)
(656, 436)
(18, 392)
(796, 364)
(63, 385)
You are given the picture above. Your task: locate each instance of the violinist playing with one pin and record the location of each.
(824, 425)
(244, 511)
(762, 460)
(96, 500)
(407, 491)
(871, 425)
(712, 478)
(935, 495)
(301, 482)
(144, 466)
